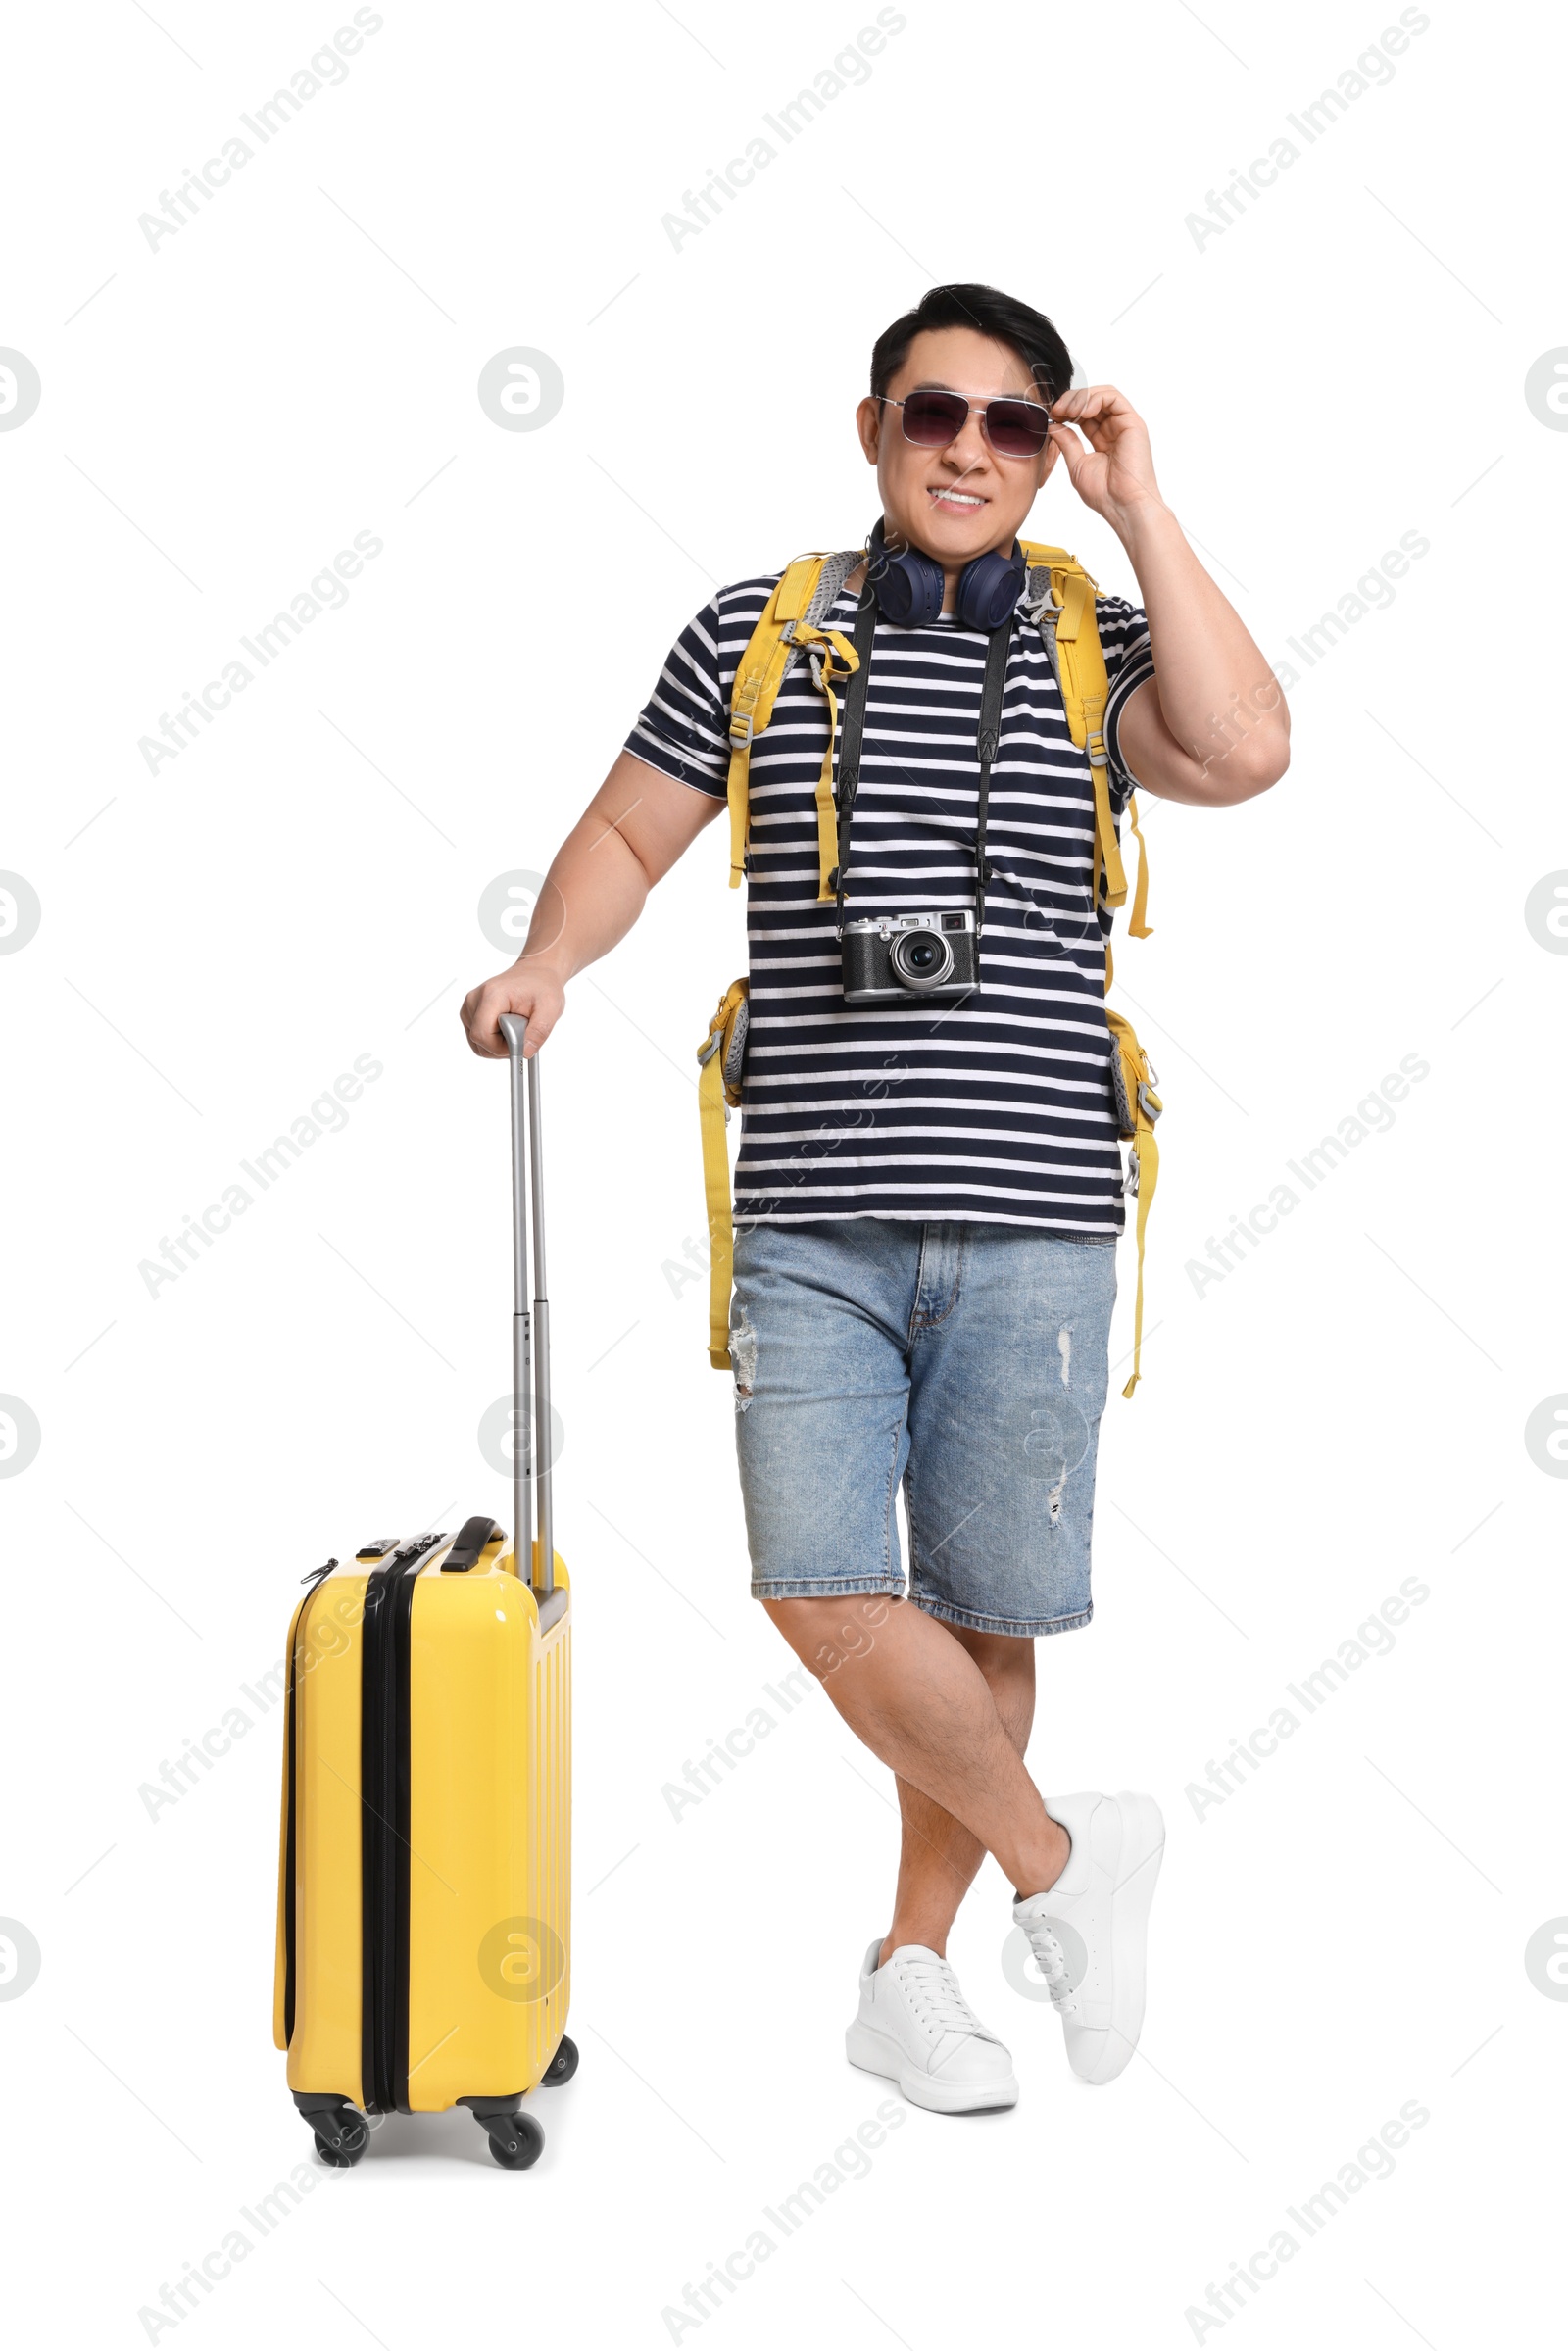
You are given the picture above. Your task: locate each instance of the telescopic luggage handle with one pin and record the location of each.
(530, 1332)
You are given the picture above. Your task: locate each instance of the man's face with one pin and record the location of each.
(957, 502)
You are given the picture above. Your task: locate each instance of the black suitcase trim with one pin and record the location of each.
(373, 1804)
(385, 1778)
(291, 1745)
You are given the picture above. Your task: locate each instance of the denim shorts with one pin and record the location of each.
(967, 1359)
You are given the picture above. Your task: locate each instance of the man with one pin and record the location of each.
(929, 1189)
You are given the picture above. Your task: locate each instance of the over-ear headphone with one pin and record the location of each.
(909, 586)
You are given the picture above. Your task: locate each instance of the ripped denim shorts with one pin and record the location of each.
(967, 1360)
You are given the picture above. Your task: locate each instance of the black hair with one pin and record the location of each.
(1028, 332)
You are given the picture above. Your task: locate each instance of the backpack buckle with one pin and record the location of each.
(740, 727)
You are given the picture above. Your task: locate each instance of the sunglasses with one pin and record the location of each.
(1013, 428)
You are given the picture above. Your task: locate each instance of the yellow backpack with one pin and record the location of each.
(1061, 599)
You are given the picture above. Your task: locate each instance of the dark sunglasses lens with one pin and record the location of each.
(931, 419)
(1018, 428)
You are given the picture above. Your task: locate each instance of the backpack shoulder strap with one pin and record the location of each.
(1064, 606)
(757, 683)
(789, 625)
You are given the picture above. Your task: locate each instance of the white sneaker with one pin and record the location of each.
(917, 2028)
(1089, 1931)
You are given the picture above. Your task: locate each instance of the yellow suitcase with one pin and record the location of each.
(423, 1916)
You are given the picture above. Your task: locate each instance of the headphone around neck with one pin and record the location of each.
(909, 586)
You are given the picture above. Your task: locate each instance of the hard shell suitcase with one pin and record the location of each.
(423, 1916)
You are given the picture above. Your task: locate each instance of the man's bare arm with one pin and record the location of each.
(1211, 726)
(627, 838)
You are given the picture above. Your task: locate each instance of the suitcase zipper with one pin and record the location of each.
(384, 1826)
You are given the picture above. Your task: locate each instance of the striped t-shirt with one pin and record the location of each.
(996, 1106)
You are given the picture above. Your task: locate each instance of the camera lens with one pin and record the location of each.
(921, 959)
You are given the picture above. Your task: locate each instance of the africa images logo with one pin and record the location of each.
(521, 1959)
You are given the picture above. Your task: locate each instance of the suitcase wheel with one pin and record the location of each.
(341, 2136)
(563, 2065)
(516, 2139)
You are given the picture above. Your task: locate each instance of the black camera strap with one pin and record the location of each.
(990, 737)
(851, 732)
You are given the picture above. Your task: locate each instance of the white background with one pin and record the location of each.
(1343, 365)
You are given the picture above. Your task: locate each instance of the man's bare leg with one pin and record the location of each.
(917, 1697)
(939, 1858)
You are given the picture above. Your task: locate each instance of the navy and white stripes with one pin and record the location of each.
(998, 1107)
